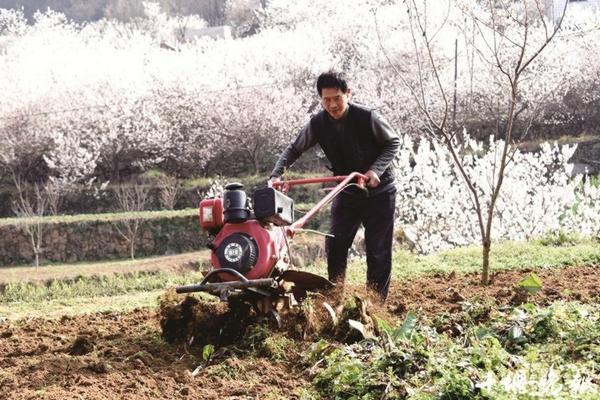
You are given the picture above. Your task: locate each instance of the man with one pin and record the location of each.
(353, 138)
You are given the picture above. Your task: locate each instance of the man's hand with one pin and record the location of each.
(272, 180)
(373, 180)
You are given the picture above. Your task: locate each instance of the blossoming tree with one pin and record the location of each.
(504, 39)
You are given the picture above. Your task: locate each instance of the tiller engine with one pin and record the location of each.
(250, 251)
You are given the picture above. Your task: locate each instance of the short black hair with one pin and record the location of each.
(332, 79)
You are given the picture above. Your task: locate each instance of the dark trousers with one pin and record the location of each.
(376, 213)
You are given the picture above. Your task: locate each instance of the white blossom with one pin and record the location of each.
(538, 195)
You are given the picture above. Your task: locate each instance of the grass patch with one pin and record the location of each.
(49, 269)
(93, 286)
(512, 255)
(248, 180)
(563, 140)
(104, 217)
(81, 293)
(80, 305)
(464, 260)
(28, 273)
(203, 183)
(568, 139)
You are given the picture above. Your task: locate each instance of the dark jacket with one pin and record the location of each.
(353, 148)
(362, 140)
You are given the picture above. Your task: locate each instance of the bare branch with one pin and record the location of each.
(541, 13)
(169, 190)
(441, 26)
(548, 39)
(31, 211)
(130, 200)
(422, 30)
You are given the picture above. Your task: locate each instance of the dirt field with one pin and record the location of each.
(110, 356)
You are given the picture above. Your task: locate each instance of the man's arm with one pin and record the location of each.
(304, 141)
(388, 138)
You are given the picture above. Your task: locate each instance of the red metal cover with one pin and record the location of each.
(210, 213)
(268, 241)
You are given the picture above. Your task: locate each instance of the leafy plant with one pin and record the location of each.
(401, 332)
(532, 283)
(207, 351)
(522, 352)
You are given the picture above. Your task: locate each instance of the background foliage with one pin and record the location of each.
(106, 99)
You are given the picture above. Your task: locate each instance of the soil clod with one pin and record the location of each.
(82, 345)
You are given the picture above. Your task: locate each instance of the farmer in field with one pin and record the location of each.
(353, 138)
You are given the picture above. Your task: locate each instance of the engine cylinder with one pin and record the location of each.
(235, 204)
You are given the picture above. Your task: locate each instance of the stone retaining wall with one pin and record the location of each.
(100, 240)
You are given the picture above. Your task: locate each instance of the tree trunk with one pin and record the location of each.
(132, 247)
(485, 271)
(256, 164)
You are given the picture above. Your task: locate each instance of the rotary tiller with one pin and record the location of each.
(250, 251)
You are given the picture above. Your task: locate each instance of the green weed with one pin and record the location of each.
(307, 394)
(264, 342)
(555, 355)
(559, 238)
(229, 369)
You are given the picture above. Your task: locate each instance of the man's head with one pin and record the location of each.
(334, 92)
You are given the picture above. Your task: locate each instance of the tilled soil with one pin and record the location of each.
(432, 295)
(124, 356)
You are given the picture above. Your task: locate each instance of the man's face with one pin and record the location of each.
(334, 101)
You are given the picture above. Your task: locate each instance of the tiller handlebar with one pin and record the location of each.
(285, 186)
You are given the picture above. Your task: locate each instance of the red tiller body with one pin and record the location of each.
(249, 255)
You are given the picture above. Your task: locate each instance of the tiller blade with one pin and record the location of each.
(306, 280)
